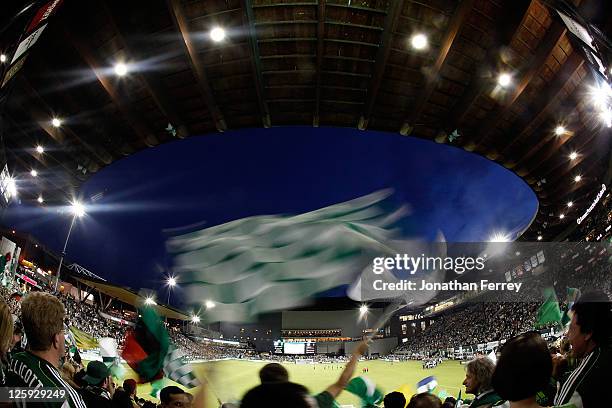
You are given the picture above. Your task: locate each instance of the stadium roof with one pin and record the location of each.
(321, 63)
(130, 297)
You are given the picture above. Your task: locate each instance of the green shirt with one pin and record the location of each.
(27, 370)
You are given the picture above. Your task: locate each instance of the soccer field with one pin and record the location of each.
(232, 378)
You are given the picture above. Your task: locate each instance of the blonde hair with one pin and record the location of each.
(6, 327)
(42, 316)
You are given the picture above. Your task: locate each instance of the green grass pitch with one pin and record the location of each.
(230, 379)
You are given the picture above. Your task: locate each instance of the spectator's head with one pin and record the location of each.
(278, 395)
(98, 374)
(590, 325)
(173, 397)
(6, 327)
(17, 333)
(394, 399)
(273, 373)
(449, 402)
(424, 400)
(129, 386)
(478, 375)
(42, 315)
(524, 367)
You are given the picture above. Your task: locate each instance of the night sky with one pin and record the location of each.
(217, 178)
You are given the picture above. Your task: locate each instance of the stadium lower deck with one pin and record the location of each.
(230, 379)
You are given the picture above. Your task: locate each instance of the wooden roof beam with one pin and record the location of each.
(382, 55)
(147, 79)
(197, 67)
(248, 18)
(320, 51)
(503, 34)
(545, 48)
(431, 80)
(547, 101)
(137, 123)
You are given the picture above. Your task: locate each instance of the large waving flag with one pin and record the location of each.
(267, 263)
(146, 346)
(549, 311)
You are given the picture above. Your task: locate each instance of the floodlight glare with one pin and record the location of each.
(171, 281)
(56, 122)
(210, 304)
(559, 130)
(121, 69)
(418, 41)
(40, 149)
(217, 34)
(504, 80)
(78, 209)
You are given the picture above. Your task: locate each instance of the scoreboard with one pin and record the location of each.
(294, 347)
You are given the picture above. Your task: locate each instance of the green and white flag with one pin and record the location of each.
(177, 369)
(267, 263)
(366, 390)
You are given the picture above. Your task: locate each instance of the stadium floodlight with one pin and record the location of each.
(195, 319)
(56, 122)
(559, 130)
(570, 203)
(40, 149)
(40, 199)
(12, 187)
(577, 178)
(499, 237)
(217, 34)
(573, 155)
(78, 209)
(33, 173)
(539, 237)
(418, 41)
(2, 58)
(121, 69)
(562, 216)
(504, 80)
(149, 301)
(363, 309)
(210, 304)
(171, 281)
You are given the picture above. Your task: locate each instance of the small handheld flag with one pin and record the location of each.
(427, 384)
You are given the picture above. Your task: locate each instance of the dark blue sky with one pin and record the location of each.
(221, 177)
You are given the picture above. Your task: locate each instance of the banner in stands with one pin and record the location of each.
(84, 340)
(116, 319)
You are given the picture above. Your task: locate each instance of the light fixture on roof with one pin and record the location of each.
(33, 173)
(149, 301)
(570, 203)
(121, 69)
(12, 187)
(171, 281)
(56, 122)
(559, 130)
(40, 149)
(600, 95)
(2, 58)
(40, 199)
(499, 237)
(578, 178)
(418, 41)
(562, 216)
(504, 80)
(606, 116)
(78, 209)
(539, 237)
(195, 319)
(217, 34)
(573, 155)
(210, 304)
